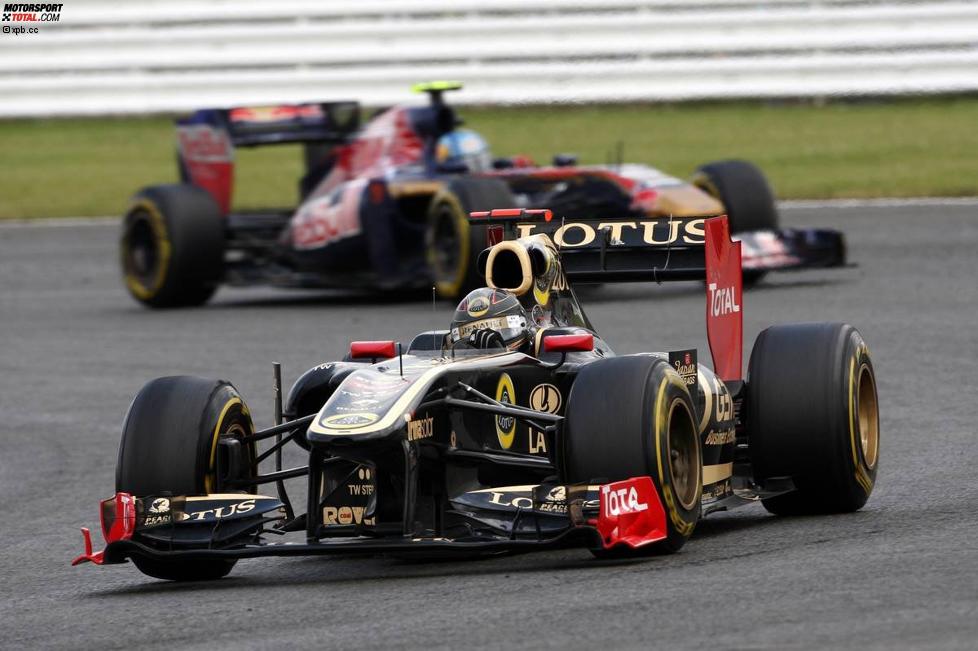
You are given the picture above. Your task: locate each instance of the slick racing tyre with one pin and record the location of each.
(645, 427)
(172, 246)
(170, 446)
(813, 416)
(452, 245)
(744, 192)
(746, 196)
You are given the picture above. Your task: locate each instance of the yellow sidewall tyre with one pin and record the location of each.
(171, 432)
(170, 446)
(452, 245)
(813, 416)
(171, 249)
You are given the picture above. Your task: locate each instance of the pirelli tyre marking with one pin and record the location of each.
(163, 246)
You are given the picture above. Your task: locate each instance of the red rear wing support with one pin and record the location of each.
(724, 300)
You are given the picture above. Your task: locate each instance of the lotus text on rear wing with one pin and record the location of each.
(657, 232)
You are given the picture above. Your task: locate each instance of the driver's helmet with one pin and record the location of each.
(491, 309)
(464, 147)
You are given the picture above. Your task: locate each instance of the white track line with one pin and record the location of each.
(799, 204)
(878, 203)
(59, 222)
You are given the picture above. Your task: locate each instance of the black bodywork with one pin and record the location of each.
(440, 448)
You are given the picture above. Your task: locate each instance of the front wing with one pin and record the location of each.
(626, 514)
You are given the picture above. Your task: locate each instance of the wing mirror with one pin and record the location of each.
(373, 349)
(579, 343)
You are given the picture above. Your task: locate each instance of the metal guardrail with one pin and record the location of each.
(160, 56)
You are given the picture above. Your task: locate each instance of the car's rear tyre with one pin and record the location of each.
(812, 415)
(172, 246)
(746, 196)
(452, 245)
(170, 446)
(645, 427)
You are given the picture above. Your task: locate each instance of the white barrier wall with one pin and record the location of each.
(154, 56)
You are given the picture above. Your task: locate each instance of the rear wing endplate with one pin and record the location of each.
(206, 139)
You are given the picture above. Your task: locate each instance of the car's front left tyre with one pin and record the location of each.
(170, 446)
(632, 416)
(813, 417)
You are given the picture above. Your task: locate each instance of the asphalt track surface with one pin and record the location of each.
(902, 573)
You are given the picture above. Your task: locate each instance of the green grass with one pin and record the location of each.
(892, 149)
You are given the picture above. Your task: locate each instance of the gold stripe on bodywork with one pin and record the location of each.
(421, 384)
(707, 400)
(227, 496)
(718, 472)
(413, 188)
(686, 201)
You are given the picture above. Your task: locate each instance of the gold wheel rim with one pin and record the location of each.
(869, 427)
(684, 466)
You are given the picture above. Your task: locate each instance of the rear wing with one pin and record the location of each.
(206, 139)
(250, 126)
(688, 248)
(659, 248)
(610, 250)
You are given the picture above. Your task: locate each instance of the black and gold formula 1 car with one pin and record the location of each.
(516, 429)
(384, 206)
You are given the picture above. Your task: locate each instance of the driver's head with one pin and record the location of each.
(464, 147)
(494, 310)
